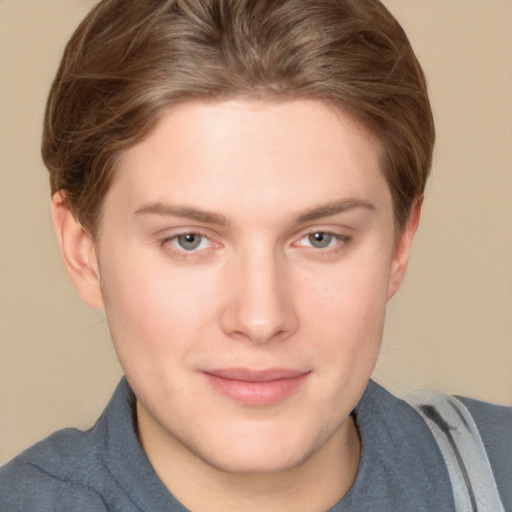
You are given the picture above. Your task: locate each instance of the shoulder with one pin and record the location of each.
(476, 438)
(494, 424)
(100, 469)
(52, 475)
(494, 421)
(401, 466)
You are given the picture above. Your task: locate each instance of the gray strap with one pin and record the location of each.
(453, 427)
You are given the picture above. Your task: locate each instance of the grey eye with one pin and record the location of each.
(320, 240)
(189, 241)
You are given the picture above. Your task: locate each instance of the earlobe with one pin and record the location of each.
(78, 252)
(402, 249)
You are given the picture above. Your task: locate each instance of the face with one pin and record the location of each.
(246, 253)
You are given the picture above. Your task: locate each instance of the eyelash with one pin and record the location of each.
(181, 253)
(341, 241)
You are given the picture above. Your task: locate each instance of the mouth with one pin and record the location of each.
(256, 388)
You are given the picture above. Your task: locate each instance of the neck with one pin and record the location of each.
(314, 485)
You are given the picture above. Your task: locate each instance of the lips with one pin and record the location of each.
(256, 388)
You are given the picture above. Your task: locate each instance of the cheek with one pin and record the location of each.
(346, 313)
(152, 308)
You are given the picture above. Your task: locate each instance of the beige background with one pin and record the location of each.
(451, 325)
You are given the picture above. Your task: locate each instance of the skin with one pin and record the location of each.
(295, 260)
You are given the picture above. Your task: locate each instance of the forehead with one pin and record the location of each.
(247, 154)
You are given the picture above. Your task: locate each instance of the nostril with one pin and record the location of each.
(259, 306)
(242, 322)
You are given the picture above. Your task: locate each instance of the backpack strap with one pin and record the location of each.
(455, 431)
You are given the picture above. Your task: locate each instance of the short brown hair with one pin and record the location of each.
(129, 61)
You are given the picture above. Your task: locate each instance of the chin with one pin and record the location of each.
(260, 451)
(254, 462)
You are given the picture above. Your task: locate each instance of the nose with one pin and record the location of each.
(260, 306)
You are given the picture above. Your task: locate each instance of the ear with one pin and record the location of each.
(78, 252)
(402, 249)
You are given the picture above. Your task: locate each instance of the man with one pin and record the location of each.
(237, 185)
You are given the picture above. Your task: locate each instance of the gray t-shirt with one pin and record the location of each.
(105, 468)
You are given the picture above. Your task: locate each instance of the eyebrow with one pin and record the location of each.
(335, 207)
(162, 209)
(326, 210)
